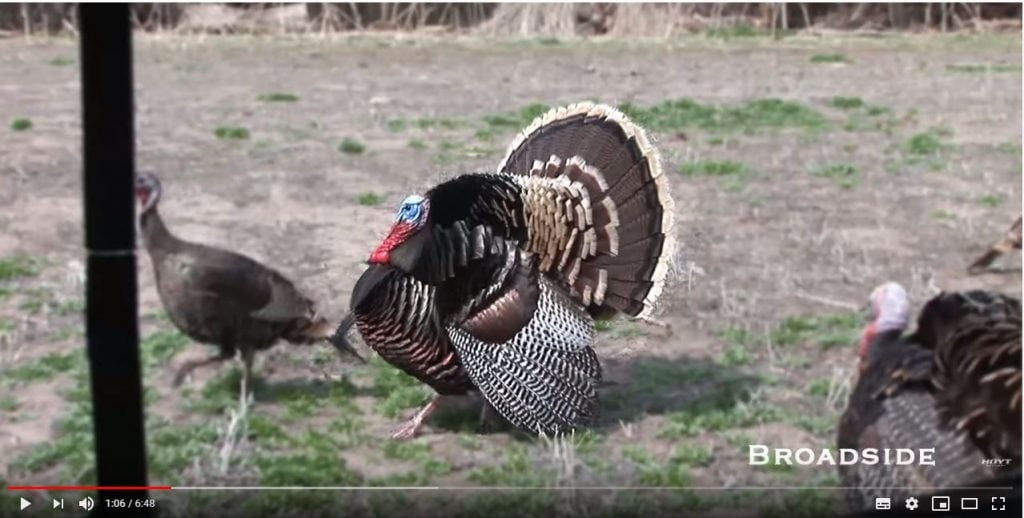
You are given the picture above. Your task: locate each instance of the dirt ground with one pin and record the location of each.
(907, 179)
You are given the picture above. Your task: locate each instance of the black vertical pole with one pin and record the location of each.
(112, 328)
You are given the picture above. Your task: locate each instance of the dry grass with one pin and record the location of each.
(530, 20)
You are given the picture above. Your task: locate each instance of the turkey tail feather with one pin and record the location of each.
(595, 194)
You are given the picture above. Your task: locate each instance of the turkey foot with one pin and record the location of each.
(412, 426)
(191, 365)
(656, 323)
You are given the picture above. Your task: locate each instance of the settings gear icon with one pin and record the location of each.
(911, 504)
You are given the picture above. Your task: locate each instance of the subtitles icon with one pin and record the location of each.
(883, 503)
(940, 503)
(969, 504)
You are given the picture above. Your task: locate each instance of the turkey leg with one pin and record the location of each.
(226, 353)
(412, 426)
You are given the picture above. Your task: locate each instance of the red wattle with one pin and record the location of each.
(864, 349)
(379, 256)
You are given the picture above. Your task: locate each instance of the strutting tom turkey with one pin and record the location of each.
(492, 281)
(953, 385)
(222, 298)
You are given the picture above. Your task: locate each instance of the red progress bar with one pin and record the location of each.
(88, 488)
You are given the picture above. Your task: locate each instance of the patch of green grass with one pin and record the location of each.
(678, 114)
(713, 168)
(548, 40)
(485, 135)
(927, 143)
(738, 336)
(397, 125)
(61, 61)
(301, 404)
(305, 468)
(397, 390)
(515, 470)
(442, 123)
(417, 144)
(674, 473)
(172, 449)
(72, 445)
(990, 200)
(516, 120)
(267, 432)
(846, 103)
(982, 68)
(278, 97)
(351, 147)
(231, 133)
(159, 347)
(8, 403)
(1009, 148)
(827, 331)
(875, 111)
(44, 367)
(692, 454)
(942, 214)
(218, 394)
(833, 57)
(735, 356)
(724, 401)
(21, 124)
(17, 266)
(819, 387)
(419, 453)
(844, 175)
(602, 326)
(369, 199)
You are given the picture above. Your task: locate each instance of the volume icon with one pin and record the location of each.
(86, 503)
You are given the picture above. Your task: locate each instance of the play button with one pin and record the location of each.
(24, 503)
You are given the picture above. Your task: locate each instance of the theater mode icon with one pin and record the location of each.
(969, 503)
(883, 503)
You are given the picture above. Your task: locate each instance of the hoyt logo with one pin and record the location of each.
(997, 462)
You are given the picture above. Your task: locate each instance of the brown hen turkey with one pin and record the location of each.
(222, 298)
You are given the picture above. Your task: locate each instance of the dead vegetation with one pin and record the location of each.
(529, 19)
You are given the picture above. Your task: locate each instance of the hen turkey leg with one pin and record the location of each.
(226, 353)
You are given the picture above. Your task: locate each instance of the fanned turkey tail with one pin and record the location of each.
(598, 208)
